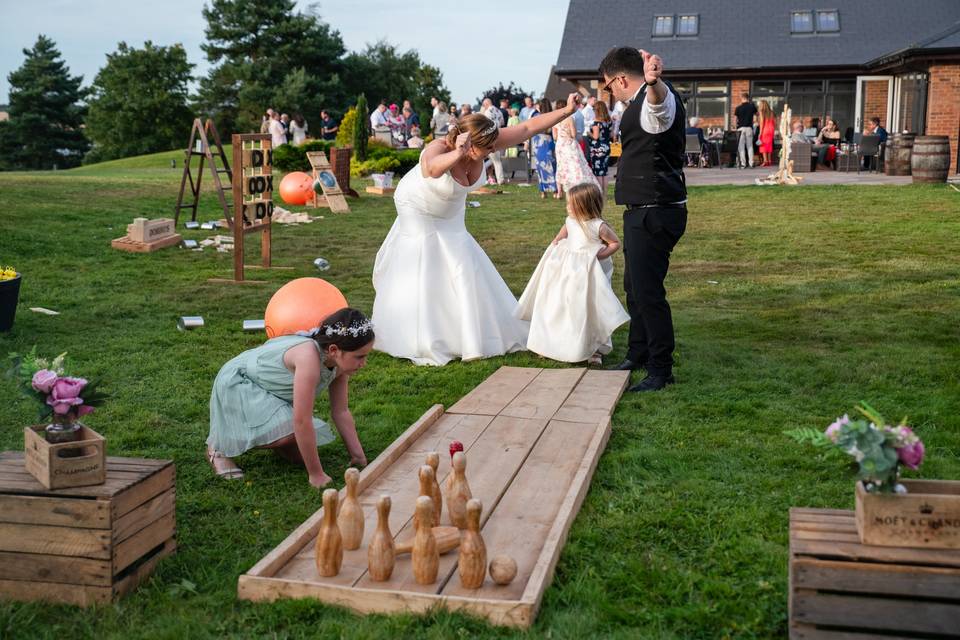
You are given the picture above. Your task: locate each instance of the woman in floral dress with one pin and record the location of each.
(543, 155)
(572, 167)
(598, 144)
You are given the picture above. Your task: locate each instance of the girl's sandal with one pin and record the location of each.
(225, 472)
(595, 360)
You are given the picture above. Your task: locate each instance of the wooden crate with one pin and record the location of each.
(43, 462)
(84, 545)
(532, 437)
(128, 244)
(841, 589)
(381, 191)
(928, 516)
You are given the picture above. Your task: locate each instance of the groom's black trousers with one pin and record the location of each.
(649, 235)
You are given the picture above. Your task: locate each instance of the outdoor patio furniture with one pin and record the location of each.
(803, 156)
(383, 135)
(520, 163)
(693, 146)
(869, 148)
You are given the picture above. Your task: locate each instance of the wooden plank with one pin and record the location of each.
(23, 591)
(809, 512)
(47, 568)
(506, 613)
(829, 534)
(543, 396)
(595, 397)
(60, 541)
(307, 531)
(137, 545)
(828, 549)
(542, 573)
(401, 483)
(144, 515)
(865, 613)
(17, 480)
(83, 514)
(493, 394)
(812, 632)
(136, 494)
(492, 462)
(131, 581)
(891, 579)
(522, 521)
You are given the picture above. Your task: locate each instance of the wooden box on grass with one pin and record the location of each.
(927, 516)
(84, 545)
(841, 589)
(44, 461)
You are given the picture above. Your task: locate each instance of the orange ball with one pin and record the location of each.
(296, 188)
(301, 305)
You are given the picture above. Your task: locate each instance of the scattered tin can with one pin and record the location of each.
(321, 264)
(191, 224)
(208, 225)
(254, 325)
(186, 323)
(189, 244)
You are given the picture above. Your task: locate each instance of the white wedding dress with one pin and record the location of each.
(569, 300)
(438, 296)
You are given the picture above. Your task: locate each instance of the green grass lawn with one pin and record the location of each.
(790, 305)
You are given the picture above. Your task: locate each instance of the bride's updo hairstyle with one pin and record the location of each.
(483, 131)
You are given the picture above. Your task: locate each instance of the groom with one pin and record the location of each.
(650, 183)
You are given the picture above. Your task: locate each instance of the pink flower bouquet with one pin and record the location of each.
(65, 397)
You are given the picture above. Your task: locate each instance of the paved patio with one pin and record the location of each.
(723, 175)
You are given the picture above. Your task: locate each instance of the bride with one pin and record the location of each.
(438, 296)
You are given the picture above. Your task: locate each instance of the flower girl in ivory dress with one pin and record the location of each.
(569, 301)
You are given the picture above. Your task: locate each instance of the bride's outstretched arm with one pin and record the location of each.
(512, 136)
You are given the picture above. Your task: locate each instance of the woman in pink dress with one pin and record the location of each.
(768, 123)
(572, 167)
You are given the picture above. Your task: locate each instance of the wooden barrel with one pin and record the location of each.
(897, 154)
(930, 161)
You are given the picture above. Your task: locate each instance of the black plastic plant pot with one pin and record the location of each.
(9, 296)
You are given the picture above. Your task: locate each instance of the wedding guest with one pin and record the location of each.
(768, 125)
(285, 121)
(576, 266)
(528, 108)
(440, 123)
(264, 397)
(329, 126)
(572, 167)
(378, 119)
(298, 129)
(598, 145)
(544, 160)
(745, 113)
(277, 135)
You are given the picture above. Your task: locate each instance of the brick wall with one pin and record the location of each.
(736, 88)
(875, 102)
(943, 106)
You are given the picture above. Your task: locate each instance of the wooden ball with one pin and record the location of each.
(503, 569)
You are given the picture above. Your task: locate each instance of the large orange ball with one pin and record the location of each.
(300, 305)
(296, 188)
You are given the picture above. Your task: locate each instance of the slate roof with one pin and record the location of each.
(748, 34)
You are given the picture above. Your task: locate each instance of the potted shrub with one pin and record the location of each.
(9, 296)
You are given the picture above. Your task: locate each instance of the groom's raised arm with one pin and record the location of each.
(512, 136)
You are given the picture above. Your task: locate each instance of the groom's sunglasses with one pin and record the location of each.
(606, 87)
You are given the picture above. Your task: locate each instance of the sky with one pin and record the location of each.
(475, 44)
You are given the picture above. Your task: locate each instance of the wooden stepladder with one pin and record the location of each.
(332, 194)
(201, 136)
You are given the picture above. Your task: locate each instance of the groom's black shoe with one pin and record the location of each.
(626, 365)
(652, 383)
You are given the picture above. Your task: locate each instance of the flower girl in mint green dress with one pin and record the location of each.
(264, 397)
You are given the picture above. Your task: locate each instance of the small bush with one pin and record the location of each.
(345, 132)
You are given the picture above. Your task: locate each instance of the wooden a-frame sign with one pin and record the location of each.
(323, 173)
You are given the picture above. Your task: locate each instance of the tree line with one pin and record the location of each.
(263, 53)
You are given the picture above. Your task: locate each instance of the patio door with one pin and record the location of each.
(874, 99)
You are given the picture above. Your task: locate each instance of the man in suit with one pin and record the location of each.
(651, 184)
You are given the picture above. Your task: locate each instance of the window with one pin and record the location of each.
(663, 26)
(828, 20)
(688, 26)
(707, 100)
(801, 22)
(809, 98)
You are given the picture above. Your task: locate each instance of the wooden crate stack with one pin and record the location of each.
(84, 545)
(841, 589)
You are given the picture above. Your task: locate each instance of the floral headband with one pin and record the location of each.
(355, 330)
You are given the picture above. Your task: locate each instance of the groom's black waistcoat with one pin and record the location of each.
(650, 169)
